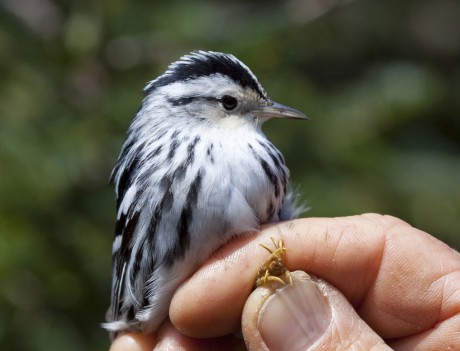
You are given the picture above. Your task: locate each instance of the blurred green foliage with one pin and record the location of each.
(379, 79)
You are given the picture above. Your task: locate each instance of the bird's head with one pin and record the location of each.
(215, 88)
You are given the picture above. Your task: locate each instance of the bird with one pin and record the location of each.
(194, 171)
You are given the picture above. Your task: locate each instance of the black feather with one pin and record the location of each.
(203, 64)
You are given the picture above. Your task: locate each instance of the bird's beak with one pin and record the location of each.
(275, 110)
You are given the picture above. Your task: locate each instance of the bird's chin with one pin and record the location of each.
(235, 122)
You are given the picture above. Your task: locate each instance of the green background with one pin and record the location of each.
(379, 79)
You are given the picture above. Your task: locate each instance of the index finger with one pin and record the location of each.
(400, 280)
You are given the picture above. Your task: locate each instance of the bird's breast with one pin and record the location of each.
(253, 167)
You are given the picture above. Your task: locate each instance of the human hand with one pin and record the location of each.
(384, 285)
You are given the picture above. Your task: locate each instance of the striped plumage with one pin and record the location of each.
(195, 170)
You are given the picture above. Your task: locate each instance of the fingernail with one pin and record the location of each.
(294, 318)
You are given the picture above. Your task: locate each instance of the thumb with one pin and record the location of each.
(311, 315)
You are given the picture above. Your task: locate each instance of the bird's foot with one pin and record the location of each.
(273, 267)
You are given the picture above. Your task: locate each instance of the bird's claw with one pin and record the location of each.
(273, 267)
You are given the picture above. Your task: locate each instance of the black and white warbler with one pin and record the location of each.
(195, 171)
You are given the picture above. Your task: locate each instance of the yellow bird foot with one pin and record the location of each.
(273, 268)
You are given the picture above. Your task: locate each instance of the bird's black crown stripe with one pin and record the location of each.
(203, 64)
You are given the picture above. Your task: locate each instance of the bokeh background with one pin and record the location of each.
(379, 79)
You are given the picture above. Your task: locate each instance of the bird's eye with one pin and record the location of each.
(229, 102)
